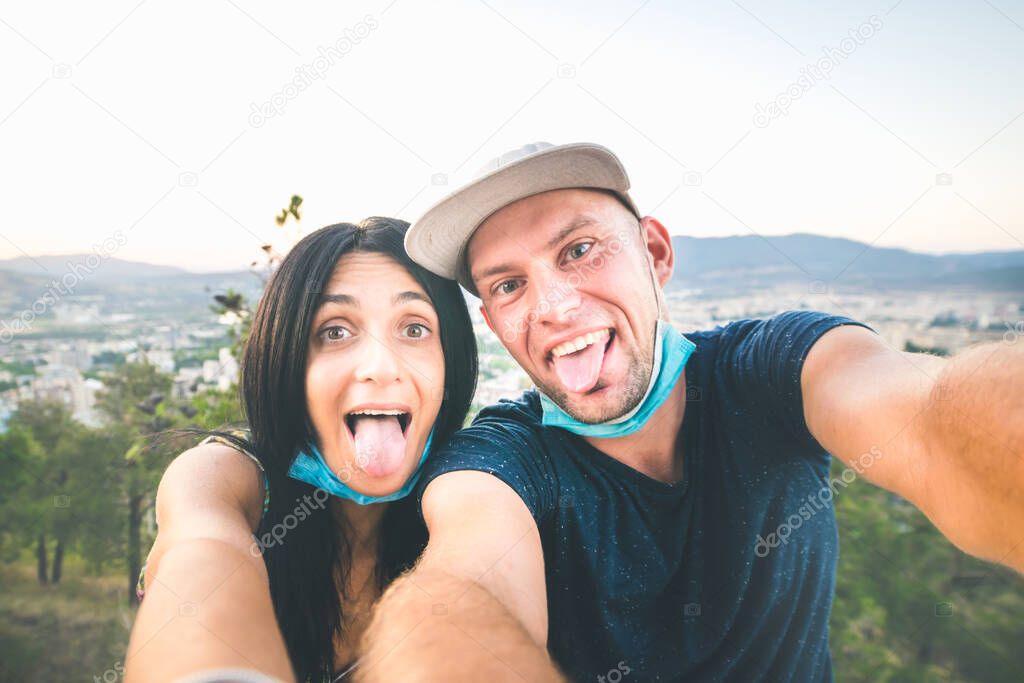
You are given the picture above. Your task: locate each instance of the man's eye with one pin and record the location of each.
(334, 333)
(507, 287)
(416, 331)
(579, 251)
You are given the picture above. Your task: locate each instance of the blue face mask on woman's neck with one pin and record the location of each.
(671, 351)
(309, 466)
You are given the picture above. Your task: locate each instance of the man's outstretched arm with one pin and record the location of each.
(946, 434)
(475, 606)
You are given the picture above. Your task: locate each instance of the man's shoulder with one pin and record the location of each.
(786, 324)
(523, 411)
(512, 425)
(507, 440)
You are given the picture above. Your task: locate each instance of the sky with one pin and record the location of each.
(185, 127)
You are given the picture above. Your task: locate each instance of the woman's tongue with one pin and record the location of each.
(380, 444)
(579, 371)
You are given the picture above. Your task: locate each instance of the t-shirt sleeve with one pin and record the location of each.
(765, 358)
(505, 448)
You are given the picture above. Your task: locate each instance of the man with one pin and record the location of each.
(661, 508)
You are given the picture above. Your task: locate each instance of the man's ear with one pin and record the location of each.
(487, 320)
(659, 247)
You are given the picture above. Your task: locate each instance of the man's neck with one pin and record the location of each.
(652, 450)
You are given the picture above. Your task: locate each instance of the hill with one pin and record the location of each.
(751, 260)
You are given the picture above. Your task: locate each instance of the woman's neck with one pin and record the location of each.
(360, 523)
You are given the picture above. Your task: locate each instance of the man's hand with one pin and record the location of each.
(946, 434)
(475, 606)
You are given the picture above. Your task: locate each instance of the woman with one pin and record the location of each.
(274, 544)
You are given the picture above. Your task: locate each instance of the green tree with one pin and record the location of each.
(135, 401)
(909, 606)
(48, 423)
(217, 408)
(97, 520)
(20, 488)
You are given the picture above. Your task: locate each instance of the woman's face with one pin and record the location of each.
(375, 376)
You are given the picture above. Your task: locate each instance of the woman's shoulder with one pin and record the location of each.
(238, 439)
(222, 466)
(216, 489)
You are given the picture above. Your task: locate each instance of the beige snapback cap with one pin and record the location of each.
(437, 241)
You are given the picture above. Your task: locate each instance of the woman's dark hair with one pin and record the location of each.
(309, 569)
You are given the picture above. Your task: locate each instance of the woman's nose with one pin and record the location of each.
(378, 362)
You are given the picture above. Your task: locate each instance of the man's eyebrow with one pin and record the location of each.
(409, 295)
(576, 224)
(493, 270)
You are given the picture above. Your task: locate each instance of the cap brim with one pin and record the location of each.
(437, 240)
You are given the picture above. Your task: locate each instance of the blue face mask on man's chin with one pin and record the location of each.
(671, 351)
(309, 466)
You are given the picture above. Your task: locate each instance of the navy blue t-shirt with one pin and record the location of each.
(727, 575)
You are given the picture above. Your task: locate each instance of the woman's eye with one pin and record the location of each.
(579, 251)
(334, 333)
(416, 331)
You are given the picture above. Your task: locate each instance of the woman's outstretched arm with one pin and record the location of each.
(207, 603)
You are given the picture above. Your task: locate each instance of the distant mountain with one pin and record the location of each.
(108, 268)
(750, 260)
(122, 286)
(716, 264)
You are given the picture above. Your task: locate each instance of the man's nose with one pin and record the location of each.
(554, 299)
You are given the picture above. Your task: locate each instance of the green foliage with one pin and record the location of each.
(194, 358)
(95, 504)
(215, 408)
(291, 210)
(910, 607)
(18, 368)
(109, 358)
(75, 632)
(21, 490)
(934, 350)
(234, 305)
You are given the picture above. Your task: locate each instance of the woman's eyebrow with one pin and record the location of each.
(344, 299)
(409, 295)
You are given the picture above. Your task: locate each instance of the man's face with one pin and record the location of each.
(565, 282)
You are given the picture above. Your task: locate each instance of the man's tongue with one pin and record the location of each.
(579, 371)
(380, 444)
